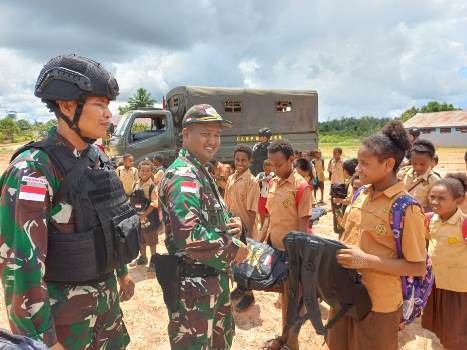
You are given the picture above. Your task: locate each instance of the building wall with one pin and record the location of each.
(455, 138)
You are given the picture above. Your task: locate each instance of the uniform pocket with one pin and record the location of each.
(127, 237)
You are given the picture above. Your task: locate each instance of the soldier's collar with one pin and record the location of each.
(185, 153)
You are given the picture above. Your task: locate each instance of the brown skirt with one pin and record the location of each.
(376, 331)
(446, 315)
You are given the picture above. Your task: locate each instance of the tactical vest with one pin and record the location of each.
(107, 233)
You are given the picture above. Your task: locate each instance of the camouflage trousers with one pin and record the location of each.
(204, 317)
(88, 317)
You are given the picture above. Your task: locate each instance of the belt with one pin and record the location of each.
(197, 270)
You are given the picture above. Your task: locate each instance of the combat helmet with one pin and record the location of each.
(265, 132)
(74, 78)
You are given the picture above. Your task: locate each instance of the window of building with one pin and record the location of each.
(283, 106)
(427, 130)
(445, 130)
(462, 129)
(233, 106)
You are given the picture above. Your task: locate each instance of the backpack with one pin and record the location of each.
(415, 290)
(267, 266)
(313, 265)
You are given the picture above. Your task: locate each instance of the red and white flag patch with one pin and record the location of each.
(32, 193)
(188, 187)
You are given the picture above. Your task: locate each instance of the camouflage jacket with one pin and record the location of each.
(195, 215)
(27, 189)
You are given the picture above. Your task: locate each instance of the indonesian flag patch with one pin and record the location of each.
(188, 187)
(32, 193)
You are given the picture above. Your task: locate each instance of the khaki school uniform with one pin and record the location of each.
(128, 177)
(418, 186)
(242, 196)
(319, 167)
(446, 311)
(284, 217)
(150, 236)
(336, 168)
(367, 225)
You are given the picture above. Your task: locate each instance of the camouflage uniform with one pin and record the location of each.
(78, 316)
(195, 219)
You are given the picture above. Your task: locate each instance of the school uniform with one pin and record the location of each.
(241, 196)
(336, 168)
(418, 186)
(284, 217)
(151, 228)
(128, 177)
(367, 225)
(319, 168)
(446, 311)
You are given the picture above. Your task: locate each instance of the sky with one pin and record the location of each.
(362, 57)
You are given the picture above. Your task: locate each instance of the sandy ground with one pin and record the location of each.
(146, 316)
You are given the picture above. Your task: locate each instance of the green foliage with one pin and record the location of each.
(430, 107)
(352, 127)
(8, 128)
(24, 125)
(142, 98)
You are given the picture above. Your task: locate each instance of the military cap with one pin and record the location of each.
(204, 114)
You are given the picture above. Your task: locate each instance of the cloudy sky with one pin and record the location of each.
(363, 57)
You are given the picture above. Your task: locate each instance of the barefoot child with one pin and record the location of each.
(446, 311)
(371, 248)
(150, 223)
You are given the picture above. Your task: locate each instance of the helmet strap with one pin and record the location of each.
(73, 125)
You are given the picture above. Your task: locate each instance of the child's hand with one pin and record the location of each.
(353, 258)
(337, 200)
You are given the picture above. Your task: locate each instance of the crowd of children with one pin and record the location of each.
(363, 190)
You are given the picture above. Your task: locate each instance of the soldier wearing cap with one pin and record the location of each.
(67, 229)
(260, 151)
(199, 227)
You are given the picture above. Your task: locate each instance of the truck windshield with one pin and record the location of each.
(122, 125)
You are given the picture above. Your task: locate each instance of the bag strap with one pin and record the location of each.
(357, 193)
(300, 192)
(398, 210)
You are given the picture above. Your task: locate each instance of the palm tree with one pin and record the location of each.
(142, 98)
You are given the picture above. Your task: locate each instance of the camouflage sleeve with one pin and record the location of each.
(25, 192)
(208, 245)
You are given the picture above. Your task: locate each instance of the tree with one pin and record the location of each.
(142, 98)
(24, 125)
(430, 107)
(8, 128)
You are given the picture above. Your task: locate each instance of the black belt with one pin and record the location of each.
(197, 270)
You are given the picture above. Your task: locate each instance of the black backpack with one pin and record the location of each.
(312, 263)
(265, 268)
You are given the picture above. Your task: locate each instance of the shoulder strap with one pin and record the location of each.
(357, 193)
(464, 230)
(300, 192)
(398, 209)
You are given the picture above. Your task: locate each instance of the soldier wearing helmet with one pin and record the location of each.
(260, 151)
(67, 227)
(202, 236)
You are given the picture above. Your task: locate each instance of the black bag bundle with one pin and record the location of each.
(265, 267)
(313, 265)
(338, 190)
(10, 341)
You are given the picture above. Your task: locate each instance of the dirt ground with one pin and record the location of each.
(146, 317)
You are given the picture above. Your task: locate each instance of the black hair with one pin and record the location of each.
(214, 162)
(465, 155)
(159, 157)
(302, 164)
(245, 149)
(126, 155)
(146, 162)
(391, 142)
(350, 165)
(337, 149)
(423, 146)
(456, 183)
(282, 146)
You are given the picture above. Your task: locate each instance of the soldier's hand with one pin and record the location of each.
(242, 253)
(234, 227)
(127, 287)
(57, 346)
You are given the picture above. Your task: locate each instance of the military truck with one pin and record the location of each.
(290, 114)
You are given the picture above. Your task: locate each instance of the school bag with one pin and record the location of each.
(415, 290)
(141, 203)
(267, 266)
(313, 268)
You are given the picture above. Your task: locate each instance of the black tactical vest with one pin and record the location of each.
(107, 233)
